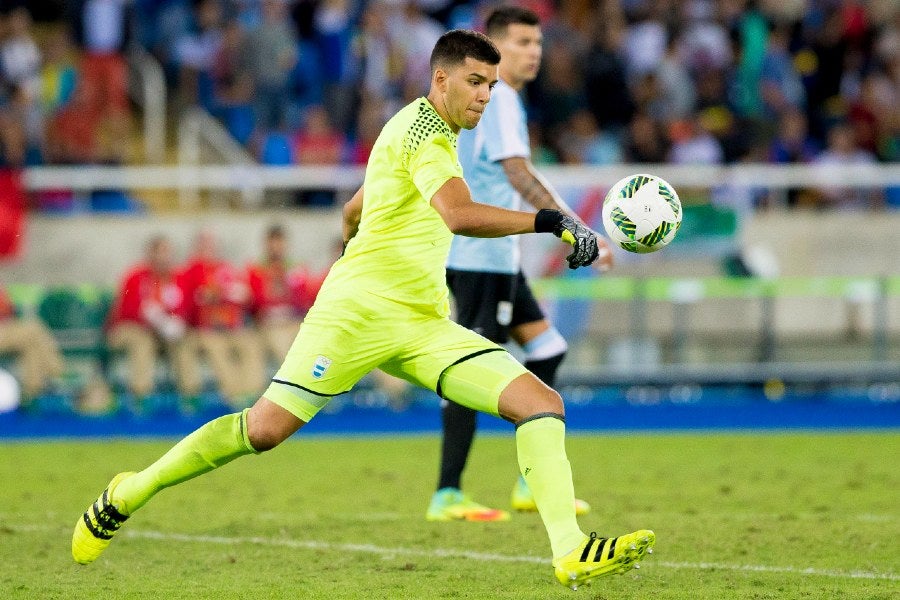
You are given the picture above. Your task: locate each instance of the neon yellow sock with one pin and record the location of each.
(542, 460)
(218, 442)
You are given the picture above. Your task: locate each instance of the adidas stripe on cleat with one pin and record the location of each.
(96, 527)
(598, 556)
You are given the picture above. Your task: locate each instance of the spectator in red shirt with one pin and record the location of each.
(38, 356)
(148, 316)
(318, 143)
(280, 296)
(217, 300)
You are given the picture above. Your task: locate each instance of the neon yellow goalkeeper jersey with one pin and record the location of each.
(401, 247)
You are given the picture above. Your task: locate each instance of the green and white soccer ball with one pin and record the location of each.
(641, 213)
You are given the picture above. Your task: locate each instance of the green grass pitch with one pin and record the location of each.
(750, 515)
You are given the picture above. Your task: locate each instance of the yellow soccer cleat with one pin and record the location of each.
(596, 557)
(450, 504)
(523, 501)
(99, 523)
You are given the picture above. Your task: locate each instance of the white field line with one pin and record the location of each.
(449, 553)
(488, 557)
(659, 514)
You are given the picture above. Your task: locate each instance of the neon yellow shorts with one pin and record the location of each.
(332, 353)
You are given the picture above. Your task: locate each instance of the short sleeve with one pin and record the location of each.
(505, 132)
(433, 165)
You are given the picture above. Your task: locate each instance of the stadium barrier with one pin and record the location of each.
(634, 394)
(829, 316)
(76, 316)
(683, 299)
(348, 179)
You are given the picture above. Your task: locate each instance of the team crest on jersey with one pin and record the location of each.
(504, 312)
(321, 365)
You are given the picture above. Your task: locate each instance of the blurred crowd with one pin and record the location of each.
(312, 81)
(201, 314)
(64, 85)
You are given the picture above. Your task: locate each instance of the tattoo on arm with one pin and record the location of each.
(530, 187)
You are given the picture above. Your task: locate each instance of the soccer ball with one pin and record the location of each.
(9, 392)
(641, 213)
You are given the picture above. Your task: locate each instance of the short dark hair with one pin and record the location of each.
(455, 46)
(503, 17)
(275, 231)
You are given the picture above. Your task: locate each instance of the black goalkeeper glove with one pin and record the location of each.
(583, 240)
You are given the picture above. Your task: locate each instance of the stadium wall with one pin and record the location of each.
(98, 249)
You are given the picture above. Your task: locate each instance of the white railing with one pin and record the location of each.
(197, 131)
(245, 177)
(150, 92)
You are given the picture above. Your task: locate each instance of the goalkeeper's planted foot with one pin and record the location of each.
(99, 523)
(450, 504)
(596, 557)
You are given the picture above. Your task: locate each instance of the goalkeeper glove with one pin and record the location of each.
(583, 240)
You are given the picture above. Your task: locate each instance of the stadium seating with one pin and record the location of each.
(76, 316)
(276, 149)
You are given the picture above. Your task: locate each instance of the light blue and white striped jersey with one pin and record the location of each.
(502, 133)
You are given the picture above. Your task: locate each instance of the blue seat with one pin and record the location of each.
(276, 149)
(240, 122)
(114, 201)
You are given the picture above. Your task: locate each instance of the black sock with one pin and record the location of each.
(545, 369)
(459, 431)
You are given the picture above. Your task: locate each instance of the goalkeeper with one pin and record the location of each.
(385, 304)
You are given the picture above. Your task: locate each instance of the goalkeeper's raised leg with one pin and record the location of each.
(214, 444)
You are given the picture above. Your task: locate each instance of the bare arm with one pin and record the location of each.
(463, 216)
(352, 213)
(535, 190)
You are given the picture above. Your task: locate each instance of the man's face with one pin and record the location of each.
(160, 256)
(466, 90)
(520, 48)
(205, 245)
(276, 248)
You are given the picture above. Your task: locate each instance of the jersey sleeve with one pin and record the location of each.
(433, 165)
(503, 133)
